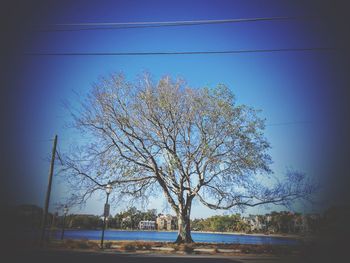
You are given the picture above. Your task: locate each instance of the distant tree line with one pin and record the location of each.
(275, 222)
(225, 223)
(128, 219)
(131, 218)
(30, 216)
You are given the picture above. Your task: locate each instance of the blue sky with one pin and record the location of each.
(293, 89)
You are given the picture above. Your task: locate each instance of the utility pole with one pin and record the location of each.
(48, 192)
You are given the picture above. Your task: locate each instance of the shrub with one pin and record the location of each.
(108, 244)
(69, 243)
(143, 245)
(128, 247)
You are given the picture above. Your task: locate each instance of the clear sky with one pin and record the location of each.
(291, 88)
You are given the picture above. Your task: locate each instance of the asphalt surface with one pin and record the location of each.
(50, 256)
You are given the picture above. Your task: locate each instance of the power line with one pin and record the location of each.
(182, 21)
(178, 52)
(127, 25)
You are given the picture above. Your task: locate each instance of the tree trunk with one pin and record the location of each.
(184, 233)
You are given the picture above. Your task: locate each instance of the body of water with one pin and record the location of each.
(171, 236)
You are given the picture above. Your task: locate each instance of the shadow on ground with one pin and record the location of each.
(76, 256)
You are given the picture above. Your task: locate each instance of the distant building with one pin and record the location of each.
(166, 222)
(147, 225)
(254, 222)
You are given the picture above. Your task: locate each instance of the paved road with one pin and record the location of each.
(50, 256)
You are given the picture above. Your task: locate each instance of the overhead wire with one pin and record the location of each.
(129, 25)
(121, 25)
(238, 51)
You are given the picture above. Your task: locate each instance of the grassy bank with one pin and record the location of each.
(169, 247)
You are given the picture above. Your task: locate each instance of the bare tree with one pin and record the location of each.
(149, 138)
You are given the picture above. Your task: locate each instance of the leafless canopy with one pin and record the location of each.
(187, 142)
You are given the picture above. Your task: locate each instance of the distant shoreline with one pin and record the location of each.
(279, 235)
(251, 234)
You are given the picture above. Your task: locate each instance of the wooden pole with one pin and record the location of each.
(48, 192)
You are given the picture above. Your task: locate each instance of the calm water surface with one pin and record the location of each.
(171, 236)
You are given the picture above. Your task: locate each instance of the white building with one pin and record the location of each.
(254, 222)
(167, 222)
(147, 225)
